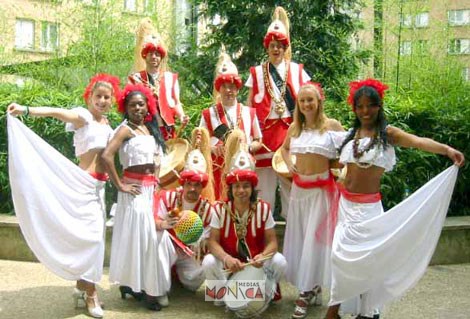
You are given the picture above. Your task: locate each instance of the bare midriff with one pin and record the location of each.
(363, 180)
(91, 161)
(310, 164)
(142, 169)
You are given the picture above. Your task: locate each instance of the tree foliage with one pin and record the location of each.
(320, 38)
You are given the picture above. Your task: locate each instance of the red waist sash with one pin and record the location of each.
(360, 197)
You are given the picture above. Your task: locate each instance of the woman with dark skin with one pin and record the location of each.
(363, 229)
(136, 262)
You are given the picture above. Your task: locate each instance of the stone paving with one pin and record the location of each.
(28, 290)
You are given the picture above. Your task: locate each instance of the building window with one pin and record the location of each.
(422, 20)
(49, 36)
(405, 48)
(466, 74)
(459, 46)
(24, 34)
(406, 20)
(459, 17)
(130, 5)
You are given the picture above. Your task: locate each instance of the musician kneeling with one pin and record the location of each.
(193, 179)
(242, 228)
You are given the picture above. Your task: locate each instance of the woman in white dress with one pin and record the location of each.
(136, 254)
(70, 204)
(377, 256)
(311, 218)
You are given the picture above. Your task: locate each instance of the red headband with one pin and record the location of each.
(227, 78)
(193, 176)
(274, 35)
(151, 102)
(242, 175)
(356, 85)
(102, 77)
(150, 47)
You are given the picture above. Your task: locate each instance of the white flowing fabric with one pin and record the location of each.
(59, 206)
(382, 255)
(308, 259)
(141, 257)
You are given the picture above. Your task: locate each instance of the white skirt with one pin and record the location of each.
(140, 257)
(382, 255)
(308, 259)
(60, 207)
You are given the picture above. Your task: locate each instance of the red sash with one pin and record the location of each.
(103, 177)
(326, 229)
(360, 197)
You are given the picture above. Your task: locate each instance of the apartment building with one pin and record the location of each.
(34, 30)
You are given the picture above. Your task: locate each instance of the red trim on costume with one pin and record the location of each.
(100, 176)
(145, 179)
(360, 197)
(254, 241)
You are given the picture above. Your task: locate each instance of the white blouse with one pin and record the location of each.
(315, 142)
(92, 135)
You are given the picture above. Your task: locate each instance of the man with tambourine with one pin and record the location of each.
(242, 227)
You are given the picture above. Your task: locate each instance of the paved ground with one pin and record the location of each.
(28, 290)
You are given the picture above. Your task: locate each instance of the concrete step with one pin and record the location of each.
(452, 247)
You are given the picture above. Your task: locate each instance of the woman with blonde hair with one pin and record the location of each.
(311, 217)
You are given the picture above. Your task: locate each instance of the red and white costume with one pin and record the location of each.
(260, 220)
(167, 85)
(240, 116)
(273, 126)
(189, 270)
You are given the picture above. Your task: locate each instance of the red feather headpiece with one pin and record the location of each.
(356, 85)
(318, 87)
(151, 102)
(102, 77)
(278, 36)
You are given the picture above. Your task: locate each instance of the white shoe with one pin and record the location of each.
(163, 300)
(94, 307)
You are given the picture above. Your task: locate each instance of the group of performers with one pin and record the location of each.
(337, 235)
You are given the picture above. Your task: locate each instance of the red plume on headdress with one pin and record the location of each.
(151, 102)
(151, 47)
(318, 87)
(227, 78)
(356, 85)
(242, 175)
(102, 77)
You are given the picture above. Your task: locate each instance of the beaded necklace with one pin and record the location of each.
(280, 104)
(241, 224)
(358, 153)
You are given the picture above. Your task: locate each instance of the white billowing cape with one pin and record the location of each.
(387, 254)
(58, 206)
